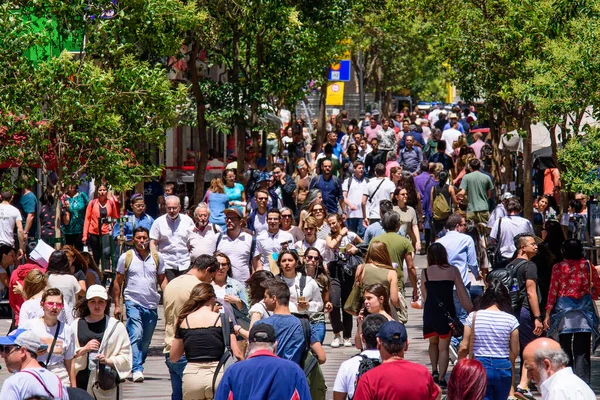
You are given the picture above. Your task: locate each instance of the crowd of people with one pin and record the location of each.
(254, 270)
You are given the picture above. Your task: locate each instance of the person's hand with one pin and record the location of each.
(303, 305)
(415, 295)
(41, 352)
(352, 249)
(328, 307)
(344, 231)
(360, 317)
(418, 246)
(352, 207)
(217, 308)
(547, 322)
(103, 360)
(20, 254)
(117, 313)
(539, 328)
(92, 345)
(366, 222)
(231, 299)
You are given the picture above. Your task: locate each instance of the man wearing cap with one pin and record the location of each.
(271, 242)
(239, 245)
(382, 383)
(279, 378)
(454, 118)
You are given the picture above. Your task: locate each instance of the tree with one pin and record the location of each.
(582, 155)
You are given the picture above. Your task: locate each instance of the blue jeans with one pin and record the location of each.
(140, 326)
(176, 372)
(355, 225)
(461, 314)
(499, 377)
(319, 330)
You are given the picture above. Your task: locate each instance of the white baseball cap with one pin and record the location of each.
(96, 291)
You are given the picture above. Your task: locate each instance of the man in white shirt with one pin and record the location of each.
(202, 238)
(450, 136)
(348, 373)
(239, 245)
(546, 364)
(271, 241)
(505, 229)
(380, 188)
(10, 217)
(168, 236)
(353, 188)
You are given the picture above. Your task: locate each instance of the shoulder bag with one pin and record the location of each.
(107, 378)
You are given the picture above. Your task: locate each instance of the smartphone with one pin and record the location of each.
(43, 346)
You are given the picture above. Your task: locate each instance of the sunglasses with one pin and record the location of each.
(318, 210)
(287, 216)
(312, 257)
(52, 304)
(8, 349)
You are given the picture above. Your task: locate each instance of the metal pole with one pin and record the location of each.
(361, 85)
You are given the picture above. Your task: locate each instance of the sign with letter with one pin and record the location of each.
(335, 94)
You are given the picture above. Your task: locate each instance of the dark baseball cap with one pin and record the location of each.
(393, 332)
(262, 333)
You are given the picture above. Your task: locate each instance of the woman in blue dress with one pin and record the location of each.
(217, 202)
(234, 190)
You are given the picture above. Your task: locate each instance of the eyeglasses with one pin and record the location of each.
(52, 304)
(312, 257)
(232, 218)
(10, 348)
(317, 210)
(261, 199)
(286, 216)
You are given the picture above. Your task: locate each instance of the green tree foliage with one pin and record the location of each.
(582, 156)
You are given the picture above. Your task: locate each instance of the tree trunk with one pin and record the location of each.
(386, 106)
(322, 122)
(201, 164)
(495, 134)
(527, 167)
(57, 192)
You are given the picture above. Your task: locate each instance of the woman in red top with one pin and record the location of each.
(96, 228)
(570, 312)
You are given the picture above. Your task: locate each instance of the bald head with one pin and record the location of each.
(173, 205)
(542, 358)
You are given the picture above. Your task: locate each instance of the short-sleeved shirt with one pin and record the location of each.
(526, 271)
(64, 348)
(171, 238)
(238, 251)
(152, 191)
(68, 286)
(355, 195)
(509, 227)
(77, 206)
(141, 279)
(476, 185)
(8, 217)
(202, 241)
(22, 385)
(29, 205)
(408, 218)
(260, 308)
(376, 195)
(235, 193)
(398, 247)
(291, 341)
(176, 293)
(268, 243)
(347, 374)
(260, 223)
(492, 333)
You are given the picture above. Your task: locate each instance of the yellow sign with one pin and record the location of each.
(335, 94)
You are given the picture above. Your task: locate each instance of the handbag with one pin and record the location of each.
(107, 378)
(227, 359)
(354, 301)
(456, 327)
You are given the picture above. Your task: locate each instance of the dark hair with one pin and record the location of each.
(452, 221)
(370, 328)
(385, 206)
(437, 255)
(476, 236)
(572, 249)
(513, 205)
(200, 295)
(278, 288)
(46, 199)
(328, 150)
(225, 172)
(141, 229)
(58, 263)
(496, 294)
(390, 221)
(554, 238)
(519, 240)
(475, 164)
(225, 256)
(467, 381)
(424, 166)
(52, 292)
(5, 249)
(356, 163)
(380, 170)
(79, 263)
(6, 195)
(441, 146)
(206, 262)
(81, 309)
(322, 273)
(576, 205)
(255, 289)
(443, 178)
(92, 264)
(393, 348)
(407, 182)
(378, 290)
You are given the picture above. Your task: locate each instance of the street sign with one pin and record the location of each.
(340, 71)
(335, 94)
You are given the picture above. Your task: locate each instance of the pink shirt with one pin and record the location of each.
(477, 146)
(371, 133)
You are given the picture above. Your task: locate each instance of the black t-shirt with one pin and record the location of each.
(525, 271)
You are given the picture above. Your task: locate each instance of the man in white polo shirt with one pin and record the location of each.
(202, 238)
(272, 241)
(138, 272)
(239, 246)
(353, 188)
(169, 235)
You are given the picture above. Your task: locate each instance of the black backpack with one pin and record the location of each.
(366, 364)
(252, 183)
(508, 277)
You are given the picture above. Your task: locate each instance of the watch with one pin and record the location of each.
(539, 318)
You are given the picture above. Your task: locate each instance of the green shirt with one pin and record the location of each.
(476, 184)
(398, 247)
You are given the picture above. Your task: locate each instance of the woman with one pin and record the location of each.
(314, 268)
(97, 231)
(437, 285)
(199, 333)
(79, 267)
(408, 217)
(311, 240)
(477, 283)
(227, 288)
(99, 338)
(47, 218)
(440, 215)
(542, 213)
(304, 291)
(256, 292)
(462, 168)
(60, 277)
(302, 176)
(570, 315)
(318, 211)
(340, 239)
(234, 190)
(33, 288)
(467, 381)
(376, 301)
(313, 197)
(93, 268)
(553, 238)
(288, 224)
(58, 359)
(495, 338)
(396, 175)
(73, 207)
(217, 202)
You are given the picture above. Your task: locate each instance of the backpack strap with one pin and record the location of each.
(214, 228)
(252, 250)
(219, 240)
(53, 343)
(41, 382)
(225, 329)
(376, 189)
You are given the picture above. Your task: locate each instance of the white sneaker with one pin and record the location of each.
(336, 342)
(347, 343)
(138, 376)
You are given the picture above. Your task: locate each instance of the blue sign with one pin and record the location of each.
(340, 71)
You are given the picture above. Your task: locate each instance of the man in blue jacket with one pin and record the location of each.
(263, 375)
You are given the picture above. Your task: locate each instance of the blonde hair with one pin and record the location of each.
(216, 186)
(35, 281)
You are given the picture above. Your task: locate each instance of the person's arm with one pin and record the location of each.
(531, 288)
(28, 223)
(364, 210)
(83, 286)
(289, 186)
(340, 396)
(461, 291)
(514, 352)
(463, 349)
(162, 281)
(318, 352)
(412, 274)
(177, 349)
(394, 296)
(417, 234)
(423, 287)
(472, 258)
(256, 263)
(235, 349)
(119, 278)
(70, 367)
(552, 295)
(87, 221)
(21, 238)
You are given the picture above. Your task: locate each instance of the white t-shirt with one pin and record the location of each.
(319, 244)
(355, 195)
(345, 241)
(202, 242)
(22, 385)
(492, 333)
(450, 136)
(32, 309)
(238, 251)
(260, 223)
(142, 277)
(171, 237)
(311, 293)
(64, 349)
(8, 217)
(345, 379)
(267, 244)
(261, 309)
(384, 192)
(68, 286)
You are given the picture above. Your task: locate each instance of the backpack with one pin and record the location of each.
(440, 207)
(508, 277)
(366, 364)
(129, 259)
(310, 366)
(252, 183)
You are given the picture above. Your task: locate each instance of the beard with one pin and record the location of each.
(543, 375)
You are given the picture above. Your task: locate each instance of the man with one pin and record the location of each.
(238, 245)
(334, 152)
(451, 135)
(138, 272)
(279, 378)
(500, 210)
(461, 254)
(330, 187)
(285, 187)
(441, 122)
(477, 144)
(272, 241)
(434, 114)
(441, 157)
(505, 229)
(401, 250)
(423, 183)
(29, 206)
(353, 189)
(386, 137)
(375, 229)
(348, 374)
(169, 238)
(28, 377)
(364, 149)
(257, 219)
(380, 188)
(291, 340)
(396, 378)
(410, 156)
(546, 364)
(134, 219)
(478, 189)
(372, 129)
(154, 197)
(202, 238)
(374, 157)
(454, 120)
(10, 217)
(175, 294)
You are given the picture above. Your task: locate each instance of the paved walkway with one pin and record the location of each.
(157, 384)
